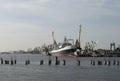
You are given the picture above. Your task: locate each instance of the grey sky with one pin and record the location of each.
(29, 23)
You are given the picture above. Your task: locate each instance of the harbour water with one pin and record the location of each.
(69, 72)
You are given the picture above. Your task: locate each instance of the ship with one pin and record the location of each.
(63, 49)
(67, 48)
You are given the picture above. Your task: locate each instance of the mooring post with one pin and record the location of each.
(28, 61)
(105, 62)
(15, 60)
(78, 62)
(93, 62)
(114, 62)
(1, 60)
(108, 63)
(6, 61)
(56, 60)
(41, 62)
(12, 60)
(118, 63)
(99, 62)
(64, 62)
(50, 62)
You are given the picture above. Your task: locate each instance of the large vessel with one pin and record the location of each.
(65, 49)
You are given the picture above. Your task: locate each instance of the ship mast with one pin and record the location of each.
(79, 34)
(54, 41)
(53, 37)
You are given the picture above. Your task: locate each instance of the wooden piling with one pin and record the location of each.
(92, 62)
(26, 62)
(109, 63)
(1, 60)
(105, 62)
(64, 62)
(6, 61)
(114, 62)
(41, 62)
(12, 62)
(99, 62)
(15, 61)
(57, 62)
(56, 58)
(78, 62)
(118, 63)
(49, 62)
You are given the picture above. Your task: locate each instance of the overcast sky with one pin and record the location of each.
(28, 23)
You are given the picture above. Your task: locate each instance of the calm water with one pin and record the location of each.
(70, 72)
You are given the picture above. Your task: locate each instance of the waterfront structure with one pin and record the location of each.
(112, 46)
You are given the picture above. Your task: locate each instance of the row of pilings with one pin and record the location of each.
(27, 62)
(62, 62)
(105, 62)
(57, 62)
(12, 62)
